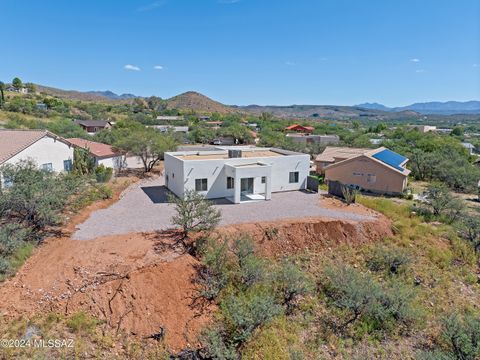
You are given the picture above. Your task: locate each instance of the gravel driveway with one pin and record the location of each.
(143, 207)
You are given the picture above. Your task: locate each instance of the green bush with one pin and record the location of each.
(4, 267)
(292, 283)
(243, 313)
(252, 269)
(12, 236)
(460, 339)
(214, 274)
(393, 260)
(103, 174)
(216, 346)
(362, 300)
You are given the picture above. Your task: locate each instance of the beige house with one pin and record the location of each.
(377, 170)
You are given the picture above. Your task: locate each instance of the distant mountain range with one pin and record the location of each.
(433, 107)
(194, 101)
(111, 95)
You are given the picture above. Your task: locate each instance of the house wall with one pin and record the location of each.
(216, 173)
(114, 162)
(387, 180)
(174, 174)
(46, 150)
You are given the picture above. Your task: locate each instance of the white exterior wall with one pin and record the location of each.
(174, 174)
(45, 150)
(115, 162)
(216, 173)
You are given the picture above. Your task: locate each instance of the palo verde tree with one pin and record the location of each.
(149, 145)
(83, 162)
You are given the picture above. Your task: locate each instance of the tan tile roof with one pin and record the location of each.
(14, 141)
(332, 152)
(95, 148)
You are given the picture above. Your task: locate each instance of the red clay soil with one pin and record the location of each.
(282, 238)
(136, 282)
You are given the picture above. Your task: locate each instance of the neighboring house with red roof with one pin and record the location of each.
(104, 154)
(47, 150)
(300, 128)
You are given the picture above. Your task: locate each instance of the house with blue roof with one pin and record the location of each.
(380, 170)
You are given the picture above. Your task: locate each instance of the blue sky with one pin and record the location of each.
(249, 51)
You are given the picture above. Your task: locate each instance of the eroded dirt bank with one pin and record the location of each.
(137, 283)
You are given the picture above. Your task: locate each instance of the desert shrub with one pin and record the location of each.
(441, 204)
(362, 300)
(216, 346)
(292, 283)
(244, 312)
(12, 236)
(103, 174)
(349, 194)
(35, 197)
(469, 229)
(194, 212)
(103, 192)
(393, 260)
(4, 266)
(251, 269)
(214, 274)
(459, 339)
(81, 322)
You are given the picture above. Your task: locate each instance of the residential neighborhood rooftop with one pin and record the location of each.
(96, 148)
(14, 141)
(222, 153)
(332, 152)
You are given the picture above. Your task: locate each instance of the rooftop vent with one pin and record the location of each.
(234, 154)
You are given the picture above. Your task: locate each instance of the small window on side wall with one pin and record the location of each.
(47, 167)
(264, 179)
(230, 182)
(293, 177)
(201, 184)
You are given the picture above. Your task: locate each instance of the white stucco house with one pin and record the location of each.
(102, 153)
(239, 173)
(47, 150)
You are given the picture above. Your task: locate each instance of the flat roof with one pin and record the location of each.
(223, 155)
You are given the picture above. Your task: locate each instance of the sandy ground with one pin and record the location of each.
(144, 207)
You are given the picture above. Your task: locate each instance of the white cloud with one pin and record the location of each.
(151, 6)
(415, 60)
(131, 67)
(158, 67)
(419, 71)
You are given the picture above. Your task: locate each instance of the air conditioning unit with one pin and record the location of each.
(234, 154)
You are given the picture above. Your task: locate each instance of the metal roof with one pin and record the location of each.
(390, 158)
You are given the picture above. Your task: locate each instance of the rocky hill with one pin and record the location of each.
(195, 101)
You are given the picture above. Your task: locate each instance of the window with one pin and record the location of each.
(264, 179)
(47, 167)
(357, 174)
(371, 178)
(67, 165)
(293, 177)
(201, 184)
(230, 182)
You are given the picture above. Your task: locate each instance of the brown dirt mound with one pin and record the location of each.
(288, 237)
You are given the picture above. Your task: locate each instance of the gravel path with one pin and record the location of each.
(143, 207)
